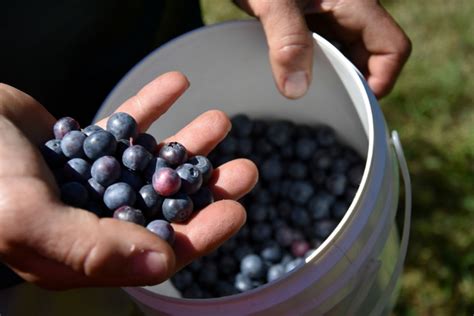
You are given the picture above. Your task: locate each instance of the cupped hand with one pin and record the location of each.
(369, 36)
(58, 246)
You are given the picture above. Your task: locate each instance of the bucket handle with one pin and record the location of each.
(381, 304)
(370, 272)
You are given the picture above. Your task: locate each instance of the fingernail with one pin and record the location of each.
(296, 85)
(149, 264)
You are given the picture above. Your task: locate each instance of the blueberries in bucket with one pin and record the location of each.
(307, 181)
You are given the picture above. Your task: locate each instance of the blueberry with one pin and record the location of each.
(228, 146)
(299, 248)
(119, 194)
(252, 266)
(183, 279)
(132, 178)
(177, 208)
(202, 198)
(166, 181)
(223, 288)
(52, 153)
(275, 271)
(280, 132)
(191, 178)
(284, 236)
(257, 212)
(261, 232)
(196, 265)
(272, 253)
(305, 148)
(355, 173)
(339, 209)
(300, 217)
(74, 193)
(154, 164)
(262, 196)
(319, 205)
(227, 265)
(149, 202)
(229, 246)
(325, 136)
(324, 228)
(148, 142)
(162, 229)
(122, 126)
(259, 128)
(321, 159)
(336, 184)
(244, 147)
(204, 165)
(64, 125)
(193, 291)
(136, 158)
(98, 144)
(241, 125)
(130, 214)
(96, 190)
(301, 191)
(263, 147)
(77, 169)
(271, 169)
(243, 283)
(297, 170)
(242, 251)
(304, 131)
(89, 130)
(174, 154)
(293, 264)
(287, 152)
(71, 144)
(208, 275)
(106, 170)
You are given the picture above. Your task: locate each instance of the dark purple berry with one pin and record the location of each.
(319, 205)
(272, 253)
(149, 202)
(148, 142)
(204, 165)
(174, 154)
(106, 170)
(241, 125)
(301, 191)
(52, 153)
(162, 229)
(65, 125)
(129, 214)
(154, 164)
(98, 144)
(89, 130)
(119, 194)
(299, 248)
(177, 208)
(77, 169)
(252, 266)
(122, 126)
(191, 178)
(166, 181)
(136, 158)
(71, 144)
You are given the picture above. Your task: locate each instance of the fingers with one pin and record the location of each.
(389, 49)
(209, 228)
(290, 44)
(154, 99)
(234, 179)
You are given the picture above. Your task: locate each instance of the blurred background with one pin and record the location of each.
(432, 107)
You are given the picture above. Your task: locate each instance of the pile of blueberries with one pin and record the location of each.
(119, 172)
(308, 179)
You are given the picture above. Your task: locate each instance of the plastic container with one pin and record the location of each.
(355, 271)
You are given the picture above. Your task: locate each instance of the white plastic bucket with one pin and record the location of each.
(356, 269)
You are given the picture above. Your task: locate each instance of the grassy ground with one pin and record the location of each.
(432, 107)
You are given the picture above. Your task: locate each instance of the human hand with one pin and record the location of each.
(58, 246)
(369, 36)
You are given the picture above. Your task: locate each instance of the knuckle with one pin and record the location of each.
(291, 47)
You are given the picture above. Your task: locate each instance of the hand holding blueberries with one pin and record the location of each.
(58, 246)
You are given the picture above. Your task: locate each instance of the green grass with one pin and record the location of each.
(432, 107)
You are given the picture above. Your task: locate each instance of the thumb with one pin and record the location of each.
(290, 44)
